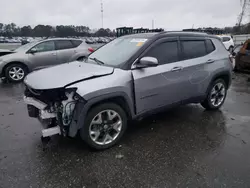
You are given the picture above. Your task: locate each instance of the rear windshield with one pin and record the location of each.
(118, 51)
(226, 39)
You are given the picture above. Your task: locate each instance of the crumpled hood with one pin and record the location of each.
(65, 74)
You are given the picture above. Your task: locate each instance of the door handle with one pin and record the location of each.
(176, 69)
(54, 54)
(210, 61)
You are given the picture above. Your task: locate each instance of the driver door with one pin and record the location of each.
(159, 86)
(44, 55)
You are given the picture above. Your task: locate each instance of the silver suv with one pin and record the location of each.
(129, 78)
(37, 55)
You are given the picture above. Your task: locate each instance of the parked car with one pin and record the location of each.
(128, 78)
(89, 41)
(242, 57)
(234, 54)
(228, 42)
(36, 55)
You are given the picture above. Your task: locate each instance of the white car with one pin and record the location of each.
(228, 42)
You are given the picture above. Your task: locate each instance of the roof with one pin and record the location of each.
(183, 33)
(141, 35)
(62, 39)
(168, 33)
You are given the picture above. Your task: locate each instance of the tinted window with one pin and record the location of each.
(193, 49)
(166, 52)
(210, 46)
(45, 46)
(63, 44)
(226, 39)
(76, 43)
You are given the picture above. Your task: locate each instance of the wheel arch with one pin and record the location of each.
(11, 63)
(226, 76)
(118, 98)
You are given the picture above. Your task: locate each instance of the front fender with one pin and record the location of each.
(83, 107)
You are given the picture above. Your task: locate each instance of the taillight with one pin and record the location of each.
(91, 50)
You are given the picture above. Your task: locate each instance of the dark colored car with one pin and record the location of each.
(242, 57)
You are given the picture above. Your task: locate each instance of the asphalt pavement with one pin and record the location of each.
(182, 147)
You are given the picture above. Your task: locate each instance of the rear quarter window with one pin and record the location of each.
(210, 46)
(76, 43)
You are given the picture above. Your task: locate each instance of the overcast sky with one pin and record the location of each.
(168, 14)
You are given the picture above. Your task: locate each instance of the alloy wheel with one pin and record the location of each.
(105, 127)
(16, 73)
(218, 94)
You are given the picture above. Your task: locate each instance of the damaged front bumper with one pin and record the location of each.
(58, 114)
(37, 109)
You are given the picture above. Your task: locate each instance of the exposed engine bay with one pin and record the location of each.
(54, 108)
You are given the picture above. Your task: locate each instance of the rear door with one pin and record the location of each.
(197, 59)
(159, 86)
(45, 55)
(65, 50)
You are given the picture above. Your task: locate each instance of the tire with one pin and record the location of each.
(15, 72)
(210, 102)
(105, 128)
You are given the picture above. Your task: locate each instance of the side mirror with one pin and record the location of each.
(33, 51)
(147, 62)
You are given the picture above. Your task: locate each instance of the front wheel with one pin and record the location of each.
(216, 95)
(15, 72)
(104, 126)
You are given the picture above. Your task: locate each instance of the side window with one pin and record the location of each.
(225, 39)
(76, 43)
(45, 46)
(63, 44)
(166, 52)
(210, 46)
(193, 49)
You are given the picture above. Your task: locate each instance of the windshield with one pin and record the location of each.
(118, 51)
(25, 47)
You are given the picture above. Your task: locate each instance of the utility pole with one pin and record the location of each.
(153, 24)
(102, 12)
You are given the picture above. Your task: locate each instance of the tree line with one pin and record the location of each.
(12, 30)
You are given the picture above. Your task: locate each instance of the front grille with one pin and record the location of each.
(46, 96)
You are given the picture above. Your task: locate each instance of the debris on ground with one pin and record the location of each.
(119, 156)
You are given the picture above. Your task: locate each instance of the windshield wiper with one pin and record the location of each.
(97, 61)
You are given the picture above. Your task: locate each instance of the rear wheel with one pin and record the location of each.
(216, 95)
(104, 126)
(15, 72)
